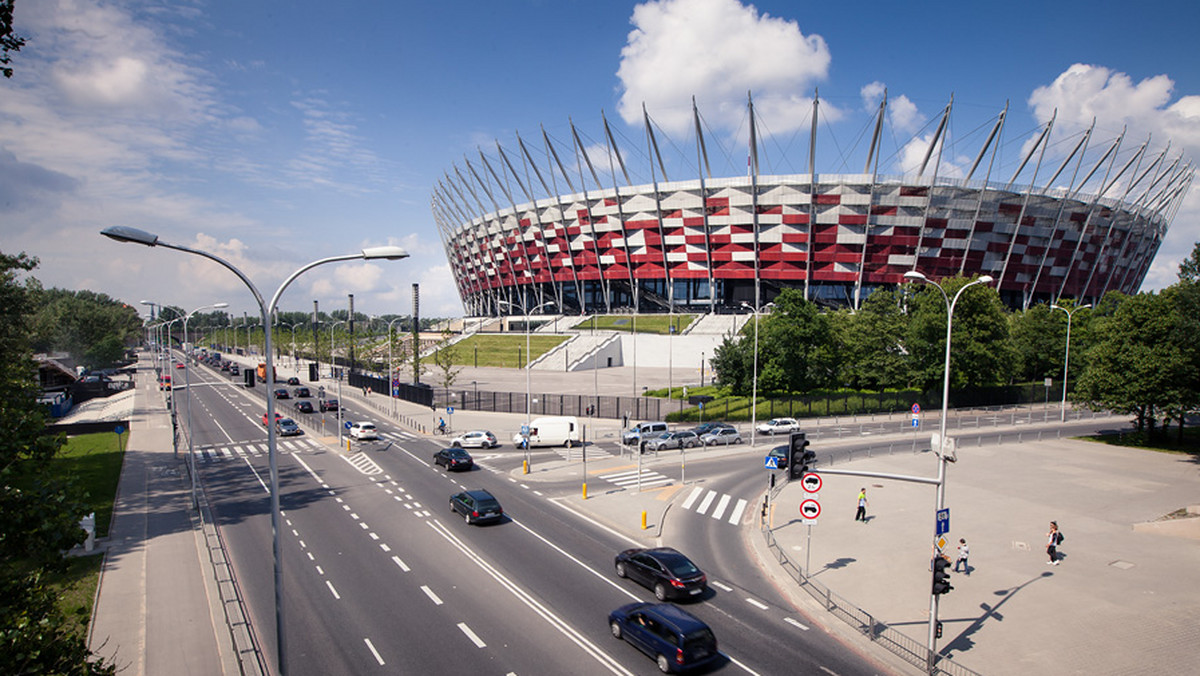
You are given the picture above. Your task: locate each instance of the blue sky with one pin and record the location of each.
(274, 133)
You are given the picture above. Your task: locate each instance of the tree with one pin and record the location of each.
(1189, 270)
(41, 510)
(982, 353)
(9, 41)
(871, 342)
(1039, 335)
(444, 359)
(796, 351)
(729, 362)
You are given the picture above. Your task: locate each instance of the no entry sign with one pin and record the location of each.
(810, 510)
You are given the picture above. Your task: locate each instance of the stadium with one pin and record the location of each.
(1089, 222)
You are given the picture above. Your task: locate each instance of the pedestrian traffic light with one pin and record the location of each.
(941, 576)
(248, 374)
(801, 458)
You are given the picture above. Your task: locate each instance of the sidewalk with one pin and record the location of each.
(156, 609)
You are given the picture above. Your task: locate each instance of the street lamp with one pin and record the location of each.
(128, 234)
(1067, 353)
(337, 379)
(187, 386)
(527, 387)
(391, 366)
(754, 387)
(941, 480)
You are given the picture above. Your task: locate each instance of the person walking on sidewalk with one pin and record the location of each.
(1053, 540)
(963, 552)
(861, 514)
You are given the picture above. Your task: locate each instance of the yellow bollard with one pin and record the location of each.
(525, 466)
(347, 445)
(643, 519)
(585, 490)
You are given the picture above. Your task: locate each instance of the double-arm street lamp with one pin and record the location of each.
(941, 451)
(1067, 353)
(754, 387)
(528, 397)
(187, 386)
(127, 234)
(391, 375)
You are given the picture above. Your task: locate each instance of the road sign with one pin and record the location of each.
(916, 409)
(810, 510)
(811, 482)
(119, 429)
(347, 424)
(524, 430)
(916, 422)
(941, 543)
(772, 462)
(449, 410)
(943, 521)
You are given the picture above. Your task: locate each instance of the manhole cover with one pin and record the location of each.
(1123, 565)
(1020, 546)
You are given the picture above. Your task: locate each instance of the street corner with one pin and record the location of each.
(636, 517)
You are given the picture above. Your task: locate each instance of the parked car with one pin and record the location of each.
(670, 635)
(363, 431)
(666, 571)
(164, 383)
(293, 381)
(264, 418)
(781, 455)
(286, 427)
(554, 430)
(642, 431)
(301, 393)
(705, 428)
(234, 370)
(282, 393)
(303, 406)
(476, 439)
(327, 404)
(476, 506)
(779, 426)
(453, 459)
(722, 436)
(669, 440)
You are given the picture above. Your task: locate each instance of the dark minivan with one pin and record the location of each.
(476, 506)
(670, 635)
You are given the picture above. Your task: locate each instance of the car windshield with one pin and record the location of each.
(678, 564)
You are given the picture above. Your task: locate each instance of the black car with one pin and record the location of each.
(781, 455)
(666, 571)
(327, 405)
(293, 381)
(476, 506)
(282, 393)
(301, 393)
(453, 458)
(673, 637)
(304, 406)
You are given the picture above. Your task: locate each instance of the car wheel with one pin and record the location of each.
(451, 505)
(568, 443)
(615, 628)
(663, 664)
(456, 444)
(660, 592)
(620, 569)
(467, 518)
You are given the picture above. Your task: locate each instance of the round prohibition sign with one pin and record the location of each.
(811, 482)
(810, 509)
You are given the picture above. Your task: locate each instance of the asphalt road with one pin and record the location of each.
(380, 576)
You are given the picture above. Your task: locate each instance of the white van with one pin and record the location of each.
(551, 431)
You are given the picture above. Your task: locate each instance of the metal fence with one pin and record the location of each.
(540, 403)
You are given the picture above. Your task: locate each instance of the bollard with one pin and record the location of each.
(585, 490)
(643, 519)
(347, 445)
(88, 523)
(525, 466)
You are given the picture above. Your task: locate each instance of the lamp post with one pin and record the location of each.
(754, 386)
(127, 234)
(333, 374)
(527, 387)
(187, 386)
(391, 366)
(331, 360)
(941, 451)
(1067, 353)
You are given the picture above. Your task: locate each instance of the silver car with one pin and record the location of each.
(779, 426)
(476, 439)
(681, 439)
(722, 436)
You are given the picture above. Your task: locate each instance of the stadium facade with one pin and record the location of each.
(725, 244)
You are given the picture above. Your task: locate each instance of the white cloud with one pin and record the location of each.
(904, 115)
(717, 51)
(1084, 92)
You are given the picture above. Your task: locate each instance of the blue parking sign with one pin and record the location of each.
(943, 521)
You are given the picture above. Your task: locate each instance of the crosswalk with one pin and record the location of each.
(217, 453)
(722, 501)
(630, 478)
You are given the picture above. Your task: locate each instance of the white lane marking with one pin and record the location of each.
(310, 471)
(553, 620)
(720, 509)
(374, 652)
(320, 571)
(471, 635)
(794, 623)
(537, 493)
(687, 504)
(581, 564)
(373, 536)
(708, 498)
(384, 547)
(432, 597)
(364, 526)
(736, 517)
(597, 524)
(354, 516)
(332, 590)
(720, 585)
(756, 603)
(400, 563)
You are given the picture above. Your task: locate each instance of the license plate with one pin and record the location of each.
(694, 591)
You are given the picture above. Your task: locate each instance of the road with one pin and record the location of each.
(380, 577)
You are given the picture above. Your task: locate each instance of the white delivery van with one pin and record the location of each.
(551, 431)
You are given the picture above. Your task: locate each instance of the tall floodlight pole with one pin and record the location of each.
(941, 480)
(127, 234)
(187, 386)
(1067, 353)
(391, 366)
(333, 374)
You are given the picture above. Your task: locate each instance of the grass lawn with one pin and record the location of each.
(507, 351)
(77, 588)
(645, 323)
(1166, 441)
(94, 460)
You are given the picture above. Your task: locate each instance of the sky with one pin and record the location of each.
(274, 133)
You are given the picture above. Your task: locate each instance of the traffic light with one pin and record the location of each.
(941, 576)
(248, 374)
(801, 458)
(313, 376)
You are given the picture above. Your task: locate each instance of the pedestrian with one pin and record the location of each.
(861, 514)
(1053, 540)
(963, 552)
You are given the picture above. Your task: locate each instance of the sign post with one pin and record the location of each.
(810, 509)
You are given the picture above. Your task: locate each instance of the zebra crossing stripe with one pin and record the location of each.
(736, 516)
(687, 504)
(720, 510)
(226, 452)
(708, 498)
